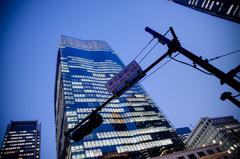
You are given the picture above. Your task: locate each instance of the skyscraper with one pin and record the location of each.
(223, 130)
(22, 140)
(133, 125)
(227, 9)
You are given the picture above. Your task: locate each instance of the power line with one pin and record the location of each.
(150, 49)
(191, 66)
(237, 76)
(158, 68)
(172, 58)
(148, 52)
(144, 48)
(218, 57)
(236, 95)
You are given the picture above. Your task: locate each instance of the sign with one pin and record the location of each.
(128, 74)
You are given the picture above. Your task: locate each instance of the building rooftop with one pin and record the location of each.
(89, 45)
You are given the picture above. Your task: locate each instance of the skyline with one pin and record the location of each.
(29, 40)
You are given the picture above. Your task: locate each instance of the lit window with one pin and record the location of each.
(229, 9)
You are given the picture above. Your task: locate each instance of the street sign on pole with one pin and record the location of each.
(120, 80)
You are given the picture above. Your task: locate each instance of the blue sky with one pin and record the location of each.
(29, 38)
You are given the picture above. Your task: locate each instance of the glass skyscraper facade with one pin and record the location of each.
(133, 125)
(21, 141)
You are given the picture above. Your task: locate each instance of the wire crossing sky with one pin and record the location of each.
(226, 54)
(29, 40)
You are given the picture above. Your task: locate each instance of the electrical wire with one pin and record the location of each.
(148, 52)
(191, 66)
(166, 32)
(157, 68)
(236, 95)
(151, 48)
(212, 59)
(218, 57)
(237, 76)
(144, 48)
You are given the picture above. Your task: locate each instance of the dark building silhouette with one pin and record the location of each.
(21, 141)
(133, 126)
(227, 9)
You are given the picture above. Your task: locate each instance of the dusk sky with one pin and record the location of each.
(29, 39)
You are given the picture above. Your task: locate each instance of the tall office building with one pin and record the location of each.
(21, 141)
(227, 9)
(223, 130)
(133, 125)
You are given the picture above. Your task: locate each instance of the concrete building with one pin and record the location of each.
(208, 152)
(223, 130)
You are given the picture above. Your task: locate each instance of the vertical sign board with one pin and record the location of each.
(128, 74)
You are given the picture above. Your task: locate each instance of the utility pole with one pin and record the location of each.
(228, 95)
(224, 78)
